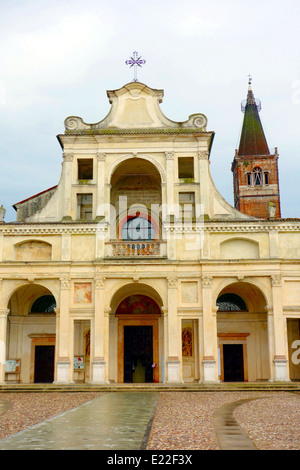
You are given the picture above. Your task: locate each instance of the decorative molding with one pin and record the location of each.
(292, 308)
(55, 229)
(203, 155)
(65, 283)
(68, 157)
(280, 358)
(276, 280)
(101, 157)
(172, 282)
(99, 282)
(169, 155)
(206, 281)
(58, 228)
(4, 312)
(250, 226)
(164, 311)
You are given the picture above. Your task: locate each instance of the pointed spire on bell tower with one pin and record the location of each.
(255, 168)
(253, 141)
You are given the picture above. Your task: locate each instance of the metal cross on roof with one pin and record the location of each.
(135, 61)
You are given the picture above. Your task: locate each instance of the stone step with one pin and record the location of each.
(222, 387)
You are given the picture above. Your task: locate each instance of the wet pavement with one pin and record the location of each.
(114, 421)
(230, 435)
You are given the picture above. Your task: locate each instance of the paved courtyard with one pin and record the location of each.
(150, 420)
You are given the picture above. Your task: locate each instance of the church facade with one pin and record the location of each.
(134, 268)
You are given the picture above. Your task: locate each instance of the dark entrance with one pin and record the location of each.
(233, 362)
(44, 364)
(138, 354)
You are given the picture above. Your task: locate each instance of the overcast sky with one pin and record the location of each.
(58, 58)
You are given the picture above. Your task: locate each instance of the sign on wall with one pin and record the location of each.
(79, 363)
(13, 366)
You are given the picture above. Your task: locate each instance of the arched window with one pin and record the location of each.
(136, 229)
(44, 304)
(231, 303)
(257, 175)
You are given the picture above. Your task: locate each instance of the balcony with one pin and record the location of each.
(137, 249)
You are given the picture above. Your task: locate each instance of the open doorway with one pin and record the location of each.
(44, 364)
(233, 362)
(138, 354)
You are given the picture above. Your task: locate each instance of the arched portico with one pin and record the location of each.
(31, 333)
(243, 333)
(136, 334)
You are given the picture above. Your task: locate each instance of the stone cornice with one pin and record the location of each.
(280, 225)
(166, 130)
(52, 229)
(58, 228)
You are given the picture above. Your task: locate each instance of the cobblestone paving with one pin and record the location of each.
(23, 410)
(182, 420)
(113, 421)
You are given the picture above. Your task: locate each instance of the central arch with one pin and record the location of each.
(137, 311)
(136, 196)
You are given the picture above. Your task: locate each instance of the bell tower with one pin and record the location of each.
(255, 167)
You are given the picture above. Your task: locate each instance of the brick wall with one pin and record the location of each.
(254, 199)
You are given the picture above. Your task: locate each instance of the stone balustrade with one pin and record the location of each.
(143, 248)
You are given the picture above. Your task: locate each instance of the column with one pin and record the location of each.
(173, 362)
(279, 332)
(63, 334)
(99, 335)
(3, 329)
(67, 185)
(209, 321)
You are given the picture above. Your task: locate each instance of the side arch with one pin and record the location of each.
(27, 293)
(243, 288)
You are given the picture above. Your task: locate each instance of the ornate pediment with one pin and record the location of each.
(136, 106)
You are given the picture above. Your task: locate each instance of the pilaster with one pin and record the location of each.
(204, 181)
(67, 185)
(3, 329)
(279, 339)
(170, 179)
(173, 361)
(209, 333)
(63, 334)
(101, 158)
(99, 334)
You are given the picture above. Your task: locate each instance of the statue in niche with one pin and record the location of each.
(187, 342)
(272, 210)
(87, 344)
